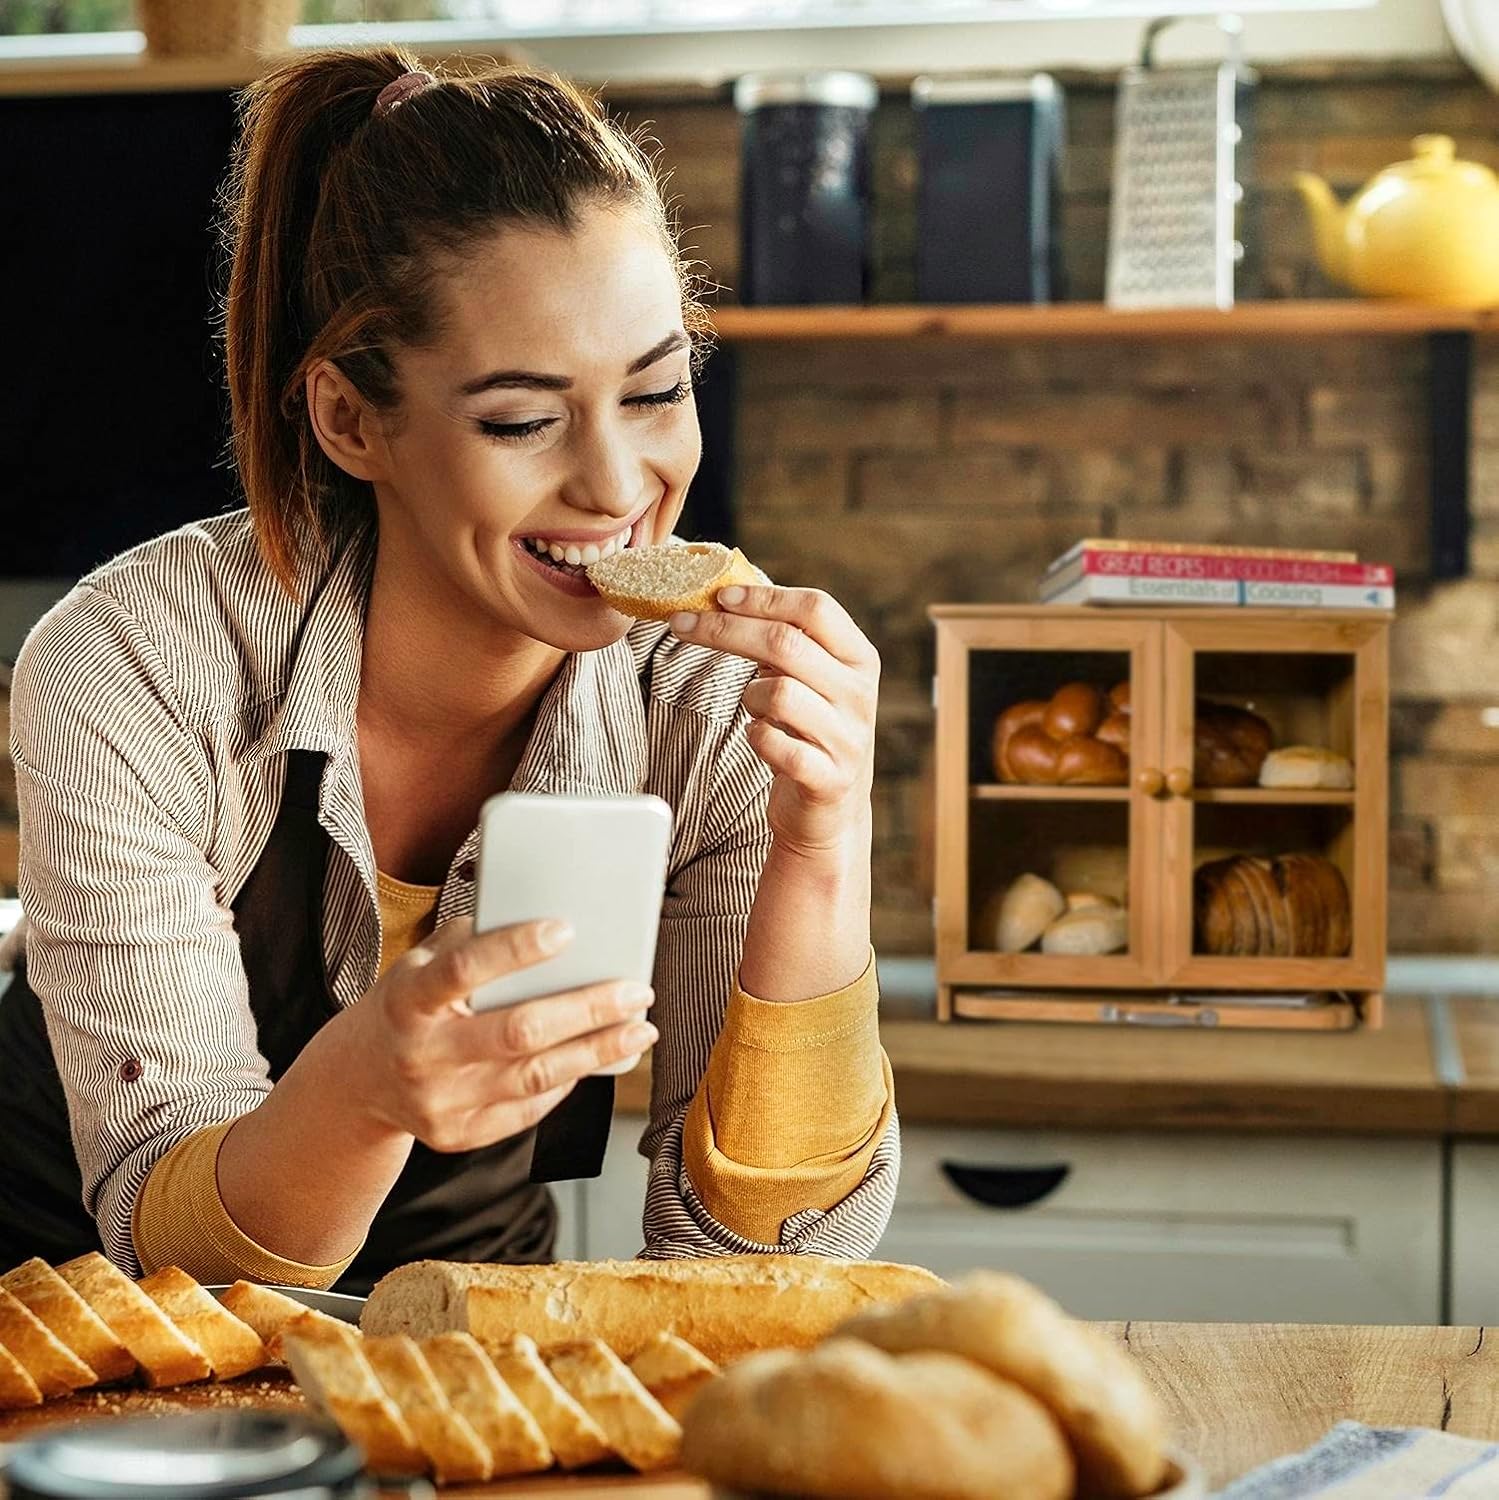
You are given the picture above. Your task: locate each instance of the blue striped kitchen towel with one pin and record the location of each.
(1354, 1462)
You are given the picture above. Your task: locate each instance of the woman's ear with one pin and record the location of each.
(347, 428)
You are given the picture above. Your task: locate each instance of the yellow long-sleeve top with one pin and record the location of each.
(787, 1118)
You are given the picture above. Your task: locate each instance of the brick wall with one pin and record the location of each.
(897, 475)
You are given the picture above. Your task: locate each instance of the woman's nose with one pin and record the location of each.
(606, 474)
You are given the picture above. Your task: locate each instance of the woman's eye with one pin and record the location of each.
(678, 392)
(515, 432)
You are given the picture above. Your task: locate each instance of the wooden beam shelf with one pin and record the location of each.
(1287, 318)
(991, 791)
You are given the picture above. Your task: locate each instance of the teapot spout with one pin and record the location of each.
(1329, 233)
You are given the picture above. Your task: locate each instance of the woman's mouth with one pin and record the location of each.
(565, 564)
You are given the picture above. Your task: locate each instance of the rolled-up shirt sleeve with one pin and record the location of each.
(742, 1194)
(129, 947)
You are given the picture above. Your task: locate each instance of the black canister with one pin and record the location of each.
(804, 203)
(990, 154)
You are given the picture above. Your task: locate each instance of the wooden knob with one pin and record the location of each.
(1150, 782)
(1179, 781)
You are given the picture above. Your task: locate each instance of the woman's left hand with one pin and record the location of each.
(812, 708)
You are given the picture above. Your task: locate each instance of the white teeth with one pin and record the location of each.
(584, 554)
(591, 555)
(574, 554)
(609, 548)
(558, 555)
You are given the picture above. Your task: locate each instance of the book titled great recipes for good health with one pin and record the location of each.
(1104, 544)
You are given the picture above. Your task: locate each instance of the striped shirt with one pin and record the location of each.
(151, 713)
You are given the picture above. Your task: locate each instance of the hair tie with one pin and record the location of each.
(398, 90)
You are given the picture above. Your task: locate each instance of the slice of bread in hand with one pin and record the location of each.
(473, 1386)
(634, 1424)
(166, 1355)
(55, 1368)
(36, 1284)
(653, 583)
(456, 1454)
(573, 1436)
(327, 1359)
(17, 1388)
(673, 1371)
(233, 1347)
(266, 1311)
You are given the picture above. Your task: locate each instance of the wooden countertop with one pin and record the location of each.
(1237, 1394)
(1384, 1082)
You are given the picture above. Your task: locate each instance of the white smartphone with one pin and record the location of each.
(598, 863)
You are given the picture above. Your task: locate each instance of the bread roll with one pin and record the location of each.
(1307, 767)
(1088, 901)
(726, 1307)
(654, 583)
(1109, 1414)
(1087, 933)
(1077, 708)
(1030, 906)
(849, 1421)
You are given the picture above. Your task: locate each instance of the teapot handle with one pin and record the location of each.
(1230, 25)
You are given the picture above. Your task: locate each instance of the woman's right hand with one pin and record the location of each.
(425, 1064)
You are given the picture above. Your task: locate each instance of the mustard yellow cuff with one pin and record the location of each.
(180, 1220)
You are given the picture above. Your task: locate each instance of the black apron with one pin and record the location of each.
(483, 1205)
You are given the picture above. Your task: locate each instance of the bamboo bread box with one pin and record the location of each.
(1161, 815)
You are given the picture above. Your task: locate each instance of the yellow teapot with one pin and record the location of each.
(1425, 229)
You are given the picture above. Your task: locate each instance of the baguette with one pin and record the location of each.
(17, 1388)
(673, 1372)
(328, 1362)
(54, 1367)
(70, 1318)
(472, 1384)
(232, 1347)
(266, 1311)
(726, 1307)
(575, 1439)
(654, 583)
(632, 1420)
(167, 1356)
(457, 1456)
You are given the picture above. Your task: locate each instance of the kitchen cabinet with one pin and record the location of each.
(1223, 1228)
(1316, 677)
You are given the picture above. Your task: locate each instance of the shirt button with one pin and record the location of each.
(131, 1069)
(467, 870)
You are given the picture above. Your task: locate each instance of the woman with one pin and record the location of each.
(251, 754)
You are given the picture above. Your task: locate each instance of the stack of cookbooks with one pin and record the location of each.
(1100, 570)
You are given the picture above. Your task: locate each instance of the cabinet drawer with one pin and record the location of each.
(1195, 1228)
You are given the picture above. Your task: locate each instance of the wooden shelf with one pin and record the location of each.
(1273, 796)
(1003, 792)
(1286, 318)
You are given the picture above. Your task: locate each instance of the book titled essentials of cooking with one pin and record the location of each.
(1113, 571)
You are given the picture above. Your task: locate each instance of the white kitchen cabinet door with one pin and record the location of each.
(1189, 1227)
(1475, 1233)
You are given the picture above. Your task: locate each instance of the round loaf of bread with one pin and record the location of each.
(654, 583)
(1229, 745)
(1111, 1416)
(849, 1421)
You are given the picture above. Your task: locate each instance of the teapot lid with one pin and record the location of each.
(1435, 156)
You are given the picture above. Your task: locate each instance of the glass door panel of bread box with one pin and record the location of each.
(1044, 844)
(1276, 803)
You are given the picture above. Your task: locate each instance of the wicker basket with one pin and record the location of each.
(216, 28)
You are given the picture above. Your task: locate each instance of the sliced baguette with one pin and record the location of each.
(327, 1359)
(726, 1307)
(55, 1368)
(52, 1300)
(574, 1437)
(451, 1445)
(233, 1347)
(673, 1371)
(633, 1422)
(472, 1384)
(165, 1355)
(269, 1313)
(17, 1388)
(653, 583)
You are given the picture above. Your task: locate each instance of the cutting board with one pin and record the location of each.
(276, 1392)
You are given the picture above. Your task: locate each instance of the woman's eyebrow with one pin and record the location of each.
(532, 380)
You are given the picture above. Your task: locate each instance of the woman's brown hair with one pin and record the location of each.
(336, 220)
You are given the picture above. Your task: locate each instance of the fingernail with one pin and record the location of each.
(637, 994)
(638, 1038)
(683, 622)
(554, 935)
(732, 595)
